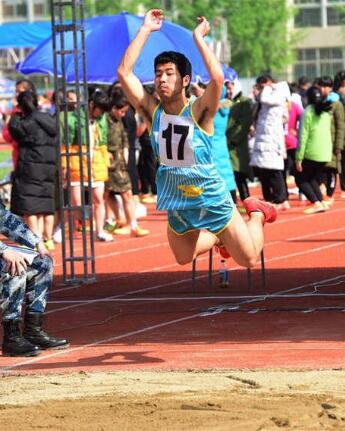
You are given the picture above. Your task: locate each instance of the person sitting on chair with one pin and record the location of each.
(22, 281)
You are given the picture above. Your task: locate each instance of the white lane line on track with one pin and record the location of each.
(96, 343)
(165, 243)
(202, 258)
(310, 235)
(174, 265)
(185, 280)
(77, 304)
(301, 253)
(6, 369)
(307, 216)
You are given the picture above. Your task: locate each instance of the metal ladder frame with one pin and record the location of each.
(68, 17)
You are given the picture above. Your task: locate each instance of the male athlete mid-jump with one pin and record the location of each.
(201, 214)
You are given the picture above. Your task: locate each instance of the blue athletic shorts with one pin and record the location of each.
(214, 219)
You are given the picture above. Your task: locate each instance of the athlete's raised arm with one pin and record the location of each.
(133, 88)
(206, 106)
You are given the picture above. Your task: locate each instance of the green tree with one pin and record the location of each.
(259, 35)
(257, 29)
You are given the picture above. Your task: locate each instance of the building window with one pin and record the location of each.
(330, 69)
(306, 54)
(40, 8)
(310, 17)
(14, 9)
(331, 53)
(318, 62)
(335, 16)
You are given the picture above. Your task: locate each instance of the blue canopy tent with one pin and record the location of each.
(23, 35)
(106, 39)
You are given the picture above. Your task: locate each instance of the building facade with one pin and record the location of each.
(321, 37)
(24, 10)
(16, 11)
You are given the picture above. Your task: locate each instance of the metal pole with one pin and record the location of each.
(68, 41)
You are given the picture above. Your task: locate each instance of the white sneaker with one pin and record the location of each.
(293, 190)
(57, 236)
(105, 237)
(140, 210)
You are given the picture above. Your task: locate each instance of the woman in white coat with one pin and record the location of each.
(269, 148)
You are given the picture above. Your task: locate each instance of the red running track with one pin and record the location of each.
(142, 312)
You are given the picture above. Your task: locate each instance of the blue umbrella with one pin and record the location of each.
(229, 74)
(23, 34)
(106, 39)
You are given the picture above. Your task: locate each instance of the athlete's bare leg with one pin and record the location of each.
(190, 245)
(244, 241)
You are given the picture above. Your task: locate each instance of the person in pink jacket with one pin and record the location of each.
(291, 138)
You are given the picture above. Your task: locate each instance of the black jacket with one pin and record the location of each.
(33, 182)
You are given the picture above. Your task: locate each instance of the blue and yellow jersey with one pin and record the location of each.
(187, 177)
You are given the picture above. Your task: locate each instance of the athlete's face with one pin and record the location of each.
(168, 80)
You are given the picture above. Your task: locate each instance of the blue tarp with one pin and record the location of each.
(23, 34)
(106, 39)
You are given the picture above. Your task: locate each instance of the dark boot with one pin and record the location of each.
(34, 333)
(14, 344)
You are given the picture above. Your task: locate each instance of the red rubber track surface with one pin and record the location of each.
(142, 312)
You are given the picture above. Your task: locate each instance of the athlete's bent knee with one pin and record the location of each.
(251, 262)
(183, 260)
(247, 261)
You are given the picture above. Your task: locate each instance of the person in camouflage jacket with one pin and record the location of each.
(119, 180)
(23, 282)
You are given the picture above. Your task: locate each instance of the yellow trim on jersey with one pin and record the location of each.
(196, 123)
(183, 233)
(181, 112)
(184, 108)
(227, 225)
(153, 117)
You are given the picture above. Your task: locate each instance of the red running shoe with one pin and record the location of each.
(222, 251)
(268, 210)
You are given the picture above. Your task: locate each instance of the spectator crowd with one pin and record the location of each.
(289, 137)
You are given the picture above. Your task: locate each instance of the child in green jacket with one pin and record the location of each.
(314, 150)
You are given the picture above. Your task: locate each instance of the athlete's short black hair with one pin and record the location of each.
(182, 63)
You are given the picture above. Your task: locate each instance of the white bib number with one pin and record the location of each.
(175, 140)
